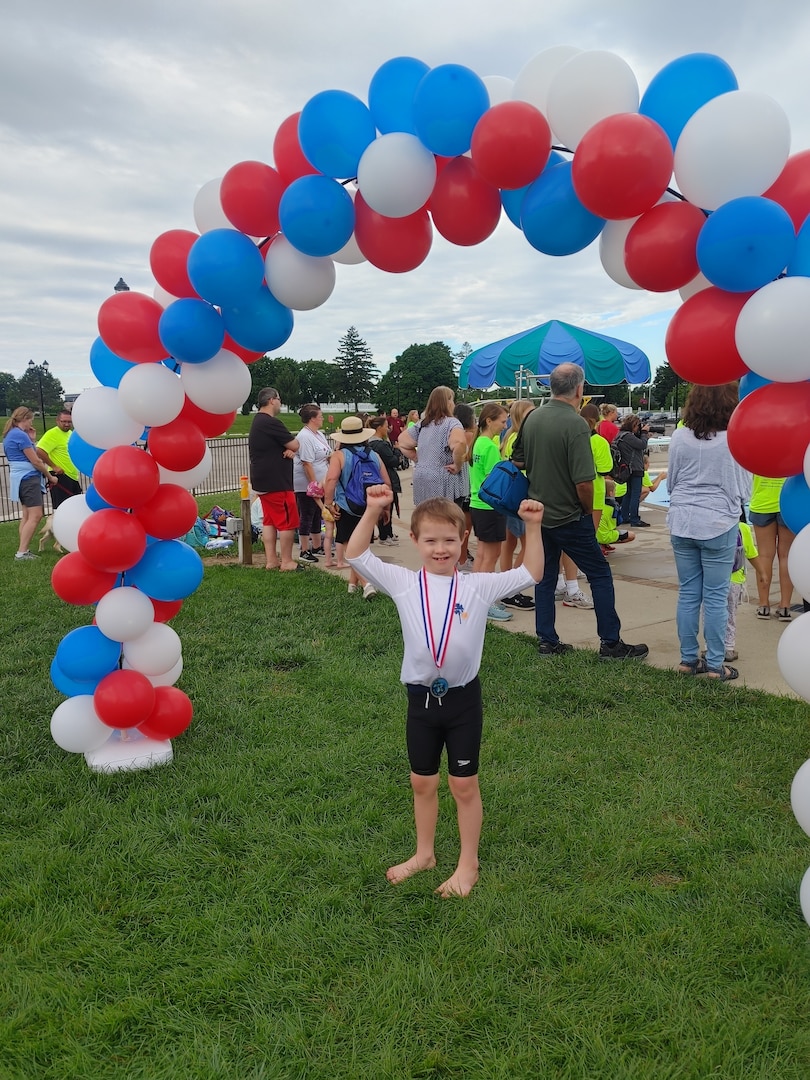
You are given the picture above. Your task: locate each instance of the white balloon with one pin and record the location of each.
(151, 394)
(75, 726)
(219, 385)
(100, 419)
(773, 330)
(208, 212)
(396, 174)
(535, 78)
(587, 88)
(190, 478)
(698, 283)
(804, 896)
(794, 644)
(800, 796)
(611, 251)
(124, 613)
(301, 282)
(499, 88)
(799, 573)
(168, 678)
(68, 518)
(350, 254)
(155, 652)
(734, 145)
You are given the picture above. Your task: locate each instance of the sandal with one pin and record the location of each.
(693, 667)
(763, 612)
(725, 674)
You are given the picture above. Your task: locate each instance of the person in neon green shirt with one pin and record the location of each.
(514, 526)
(488, 524)
(52, 448)
(773, 539)
(737, 588)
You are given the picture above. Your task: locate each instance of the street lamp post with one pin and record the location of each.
(40, 369)
(397, 376)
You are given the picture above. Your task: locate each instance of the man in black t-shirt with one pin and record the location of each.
(272, 448)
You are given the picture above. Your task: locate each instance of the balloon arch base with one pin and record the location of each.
(129, 750)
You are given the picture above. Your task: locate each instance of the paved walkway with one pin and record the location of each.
(646, 596)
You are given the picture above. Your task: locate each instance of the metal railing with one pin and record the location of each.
(229, 462)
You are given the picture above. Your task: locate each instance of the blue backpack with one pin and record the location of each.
(504, 488)
(364, 471)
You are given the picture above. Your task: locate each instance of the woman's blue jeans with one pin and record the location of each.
(631, 500)
(704, 573)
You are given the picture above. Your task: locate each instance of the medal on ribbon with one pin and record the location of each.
(437, 646)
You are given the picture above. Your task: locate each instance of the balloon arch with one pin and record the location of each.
(433, 148)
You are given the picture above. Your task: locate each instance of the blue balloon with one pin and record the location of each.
(262, 324)
(86, 654)
(316, 215)
(552, 217)
(794, 503)
(745, 244)
(512, 198)
(224, 266)
(108, 368)
(191, 330)
(95, 501)
(750, 382)
(82, 454)
(682, 87)
(334, 129)
(799, 265)
(71, 687)
(391, 94)
(449, 102)
(168, 570)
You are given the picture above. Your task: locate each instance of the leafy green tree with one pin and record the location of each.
(668, 390)
(356, 376)
(28, 390)
(9, 393)
(415, 372)
(317, 380)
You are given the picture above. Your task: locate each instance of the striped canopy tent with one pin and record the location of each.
(606, 360)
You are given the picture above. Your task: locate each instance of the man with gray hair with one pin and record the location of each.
(272, 447)
(554, 447)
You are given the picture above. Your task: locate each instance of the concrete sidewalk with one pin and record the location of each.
(646, 597)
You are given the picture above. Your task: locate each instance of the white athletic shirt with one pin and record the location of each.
(476, 592)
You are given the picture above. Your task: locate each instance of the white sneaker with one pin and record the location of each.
(369, 591)
(352, 589)
(560, 594)
(579, 599)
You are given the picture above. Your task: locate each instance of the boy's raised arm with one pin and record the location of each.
(531, 512)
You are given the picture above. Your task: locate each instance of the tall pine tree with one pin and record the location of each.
(356, 376)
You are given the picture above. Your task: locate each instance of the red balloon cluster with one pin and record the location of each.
(168, 259)
(660, 250)
(511, 144)
(767, 433)
(393, 244)
(465, 208)
(700, 341)
(126, 477)
(287, 153)
(77, 581)
(128, 326)
(170, 716)
(171, 512)
(178, 446)
(250, 193)
(124, 699)
(112, 540)
(210, 424)
(791, 189)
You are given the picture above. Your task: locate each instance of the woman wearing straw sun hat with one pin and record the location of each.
(351, 434)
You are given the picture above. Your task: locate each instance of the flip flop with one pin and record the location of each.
(693, 667)
(725, 674)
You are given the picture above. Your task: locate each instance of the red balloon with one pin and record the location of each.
(124, 699)
(700, 341)
(250, 194)
(791, 188)
(165, 610)
(169, 514)
(660, 249)
(622, 166)
(248, 355)
(128, 326)
(768, 430)
(76, 581)
(168, 258)
(287, 153)
(393, 244)
(177, 446)
(112, 540)
(126, 477)
(171, 715)
(511, 144)
(464, 207)
(210, 424)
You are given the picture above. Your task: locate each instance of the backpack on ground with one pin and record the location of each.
(504, 488)
(621, 470)
(364, 473)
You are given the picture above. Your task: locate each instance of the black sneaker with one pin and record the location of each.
(519, 601)
(307, 556)
(317, 552)
(553, 648)
(619, 650)
(640, 524)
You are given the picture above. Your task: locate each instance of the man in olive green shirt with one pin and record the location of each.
(554, 448)
(53, 450)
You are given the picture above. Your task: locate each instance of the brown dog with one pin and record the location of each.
(46, 534)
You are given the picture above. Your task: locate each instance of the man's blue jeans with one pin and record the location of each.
(704, 572)
(577, 540)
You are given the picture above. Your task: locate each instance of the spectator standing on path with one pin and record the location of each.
(773, 539)
(396, 426)
(608, 427)
(465, 414)
(309, 467)
(554, 447)
(29, 474)
(438, 447)
(632, 438)
(387, 454)
(53, 449)
(272, 448)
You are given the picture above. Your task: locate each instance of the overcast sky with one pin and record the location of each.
(112, 116)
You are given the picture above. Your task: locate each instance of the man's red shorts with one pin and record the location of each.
(280, 510)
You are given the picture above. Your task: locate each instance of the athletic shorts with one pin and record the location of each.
(454, 721)
(762, 520)
(31, 491)
(280, 510)
(345, 526)
(489, 526)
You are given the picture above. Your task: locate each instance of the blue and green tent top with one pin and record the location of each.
(606, 360)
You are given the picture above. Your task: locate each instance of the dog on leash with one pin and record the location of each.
(46, 534)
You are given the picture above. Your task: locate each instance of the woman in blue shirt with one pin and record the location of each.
(28, 475)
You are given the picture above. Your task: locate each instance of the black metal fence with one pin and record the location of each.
(229, 462)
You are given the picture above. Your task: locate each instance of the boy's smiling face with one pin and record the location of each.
(439, 546)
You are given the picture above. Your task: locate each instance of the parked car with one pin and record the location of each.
(658, 423)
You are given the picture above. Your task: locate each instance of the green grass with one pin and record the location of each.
(227, 916)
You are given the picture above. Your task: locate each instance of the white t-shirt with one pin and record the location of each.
(314, 448)
(476, 592)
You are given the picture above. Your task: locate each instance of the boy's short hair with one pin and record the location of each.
(438, 510)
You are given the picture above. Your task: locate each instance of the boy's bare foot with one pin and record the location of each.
(341, 566)
(402, 871)
(272, 566)
(460, 884)
(288, 567)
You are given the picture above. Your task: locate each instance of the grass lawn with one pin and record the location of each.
(227, 916)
